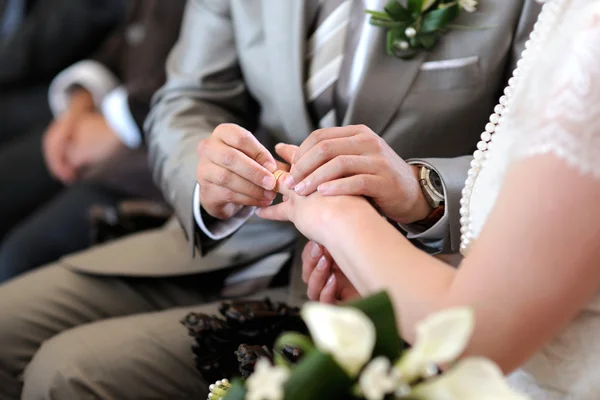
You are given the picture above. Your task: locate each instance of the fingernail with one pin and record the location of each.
(278, 145)
(266, 203)
(289, 181)
(269, 194)
(270, 166)
(316, 250)
(323, 189)
(300, 188)
(268, 182)
(322, 264)
(331, 280)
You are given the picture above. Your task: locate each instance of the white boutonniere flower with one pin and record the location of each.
(468, 5)
(345, 333)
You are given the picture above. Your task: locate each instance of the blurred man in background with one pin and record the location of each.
(38, 39)
(93, 152)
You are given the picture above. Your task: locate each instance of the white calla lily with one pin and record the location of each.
(345, 333)
(441, 338)
(470, 379)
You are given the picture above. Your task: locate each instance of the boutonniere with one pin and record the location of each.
(419, 25)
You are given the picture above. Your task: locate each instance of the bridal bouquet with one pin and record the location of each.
(354, 352)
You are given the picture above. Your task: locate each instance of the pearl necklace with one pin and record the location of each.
(546, 20)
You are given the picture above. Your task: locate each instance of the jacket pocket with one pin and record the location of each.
(457, 73)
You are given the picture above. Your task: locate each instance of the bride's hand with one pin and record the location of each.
(326, 282)
(309, 213)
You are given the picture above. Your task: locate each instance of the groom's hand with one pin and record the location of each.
(353, 160)
(234, 170)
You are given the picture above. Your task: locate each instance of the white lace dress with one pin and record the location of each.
(555, 109)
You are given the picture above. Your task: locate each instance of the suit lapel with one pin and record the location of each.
(284, 24)
(377, 83)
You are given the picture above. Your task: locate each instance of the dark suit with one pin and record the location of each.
(138, 63)
(53, 35)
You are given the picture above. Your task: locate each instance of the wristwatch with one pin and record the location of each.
(432, 187)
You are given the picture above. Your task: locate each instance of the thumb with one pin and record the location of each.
(286, 151)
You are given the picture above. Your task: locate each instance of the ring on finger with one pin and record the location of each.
(277, 174)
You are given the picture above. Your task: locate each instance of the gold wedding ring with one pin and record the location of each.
(277, 174)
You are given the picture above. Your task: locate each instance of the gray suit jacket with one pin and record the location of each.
(241, 61)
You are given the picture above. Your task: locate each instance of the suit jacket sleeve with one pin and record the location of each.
(55, 34)
(204, 88)
(445, 235)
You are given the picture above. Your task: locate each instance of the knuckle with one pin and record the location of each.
(201, 148)
(298, 171)
(229, 196)
(381, 144)
(344, 162)
(319, 134)
(224, 177)
(375, 142)
(222, 128)
(241, 138)
(228, 158)
(323, 149)
(362, 183)
(362, 128)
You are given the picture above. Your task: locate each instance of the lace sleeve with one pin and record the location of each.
(563, 106)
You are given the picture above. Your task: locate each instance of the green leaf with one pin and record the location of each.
(415, 7)
(397, 11)
(379, 15)
(438, 19)
(380, 310)
(427, 4)
(388, 24)
(428, 41)
(237, 391)
(317, 376)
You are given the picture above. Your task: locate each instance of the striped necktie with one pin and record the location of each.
(324, 56)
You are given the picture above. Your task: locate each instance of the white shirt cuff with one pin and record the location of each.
(221, 229)
(115, 108)
(91, 75)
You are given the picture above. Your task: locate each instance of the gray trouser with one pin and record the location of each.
(67, 335)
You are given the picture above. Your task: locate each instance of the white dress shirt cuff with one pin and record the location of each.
(220, 229)
(115, 108)
(92, 75)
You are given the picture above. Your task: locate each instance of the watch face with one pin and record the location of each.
(436, 183)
